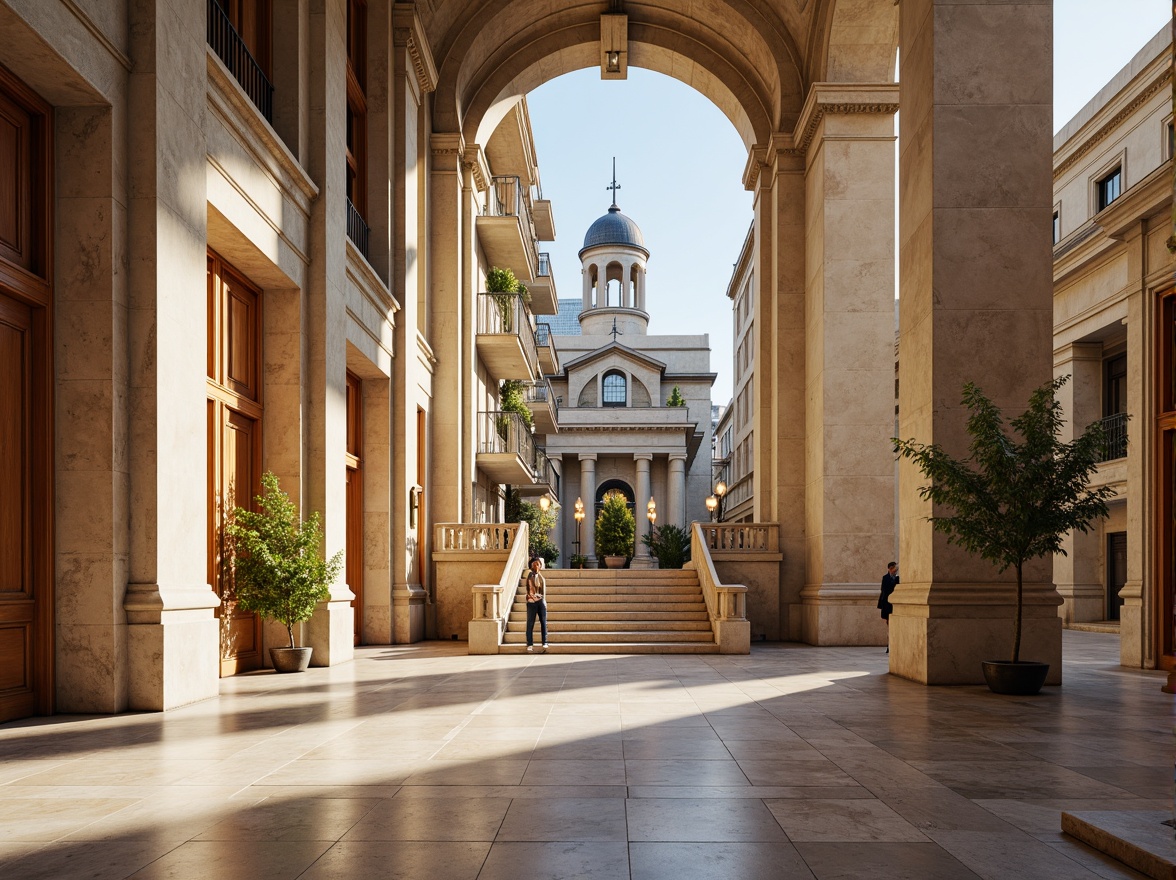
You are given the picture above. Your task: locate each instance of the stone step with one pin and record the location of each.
(596, 625)
(621, 589)
(612, 613)
(613, 577)
(617, 648)
(614, 598)
(629, 606)
(611, 635)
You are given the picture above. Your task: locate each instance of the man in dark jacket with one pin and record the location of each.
(889, 582)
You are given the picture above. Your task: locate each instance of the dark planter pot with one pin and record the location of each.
(1022, 679)
(290, 659)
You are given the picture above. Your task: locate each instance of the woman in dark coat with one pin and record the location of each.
(889, 582)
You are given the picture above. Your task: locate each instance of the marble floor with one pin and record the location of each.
(422, 762)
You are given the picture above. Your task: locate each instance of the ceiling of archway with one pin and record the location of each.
(755, 59)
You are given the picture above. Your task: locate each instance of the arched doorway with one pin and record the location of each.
(609, 486)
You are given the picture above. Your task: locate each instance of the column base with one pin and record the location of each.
(643, 564)
(408, 614)
(1082, 603)
(1131, 635)
(175, 661)
(843, 614)
(331, 632)
(949, 650)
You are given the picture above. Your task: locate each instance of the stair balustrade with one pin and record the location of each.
(492, 602)
(726, 603)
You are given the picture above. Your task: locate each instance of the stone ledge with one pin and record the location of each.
(1139, 839)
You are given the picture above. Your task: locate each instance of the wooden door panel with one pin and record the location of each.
(16, 184)
(18, 600)
(240, 630)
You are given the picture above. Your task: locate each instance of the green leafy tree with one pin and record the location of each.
(279, 571)
(676, 398)
(615, 527)
(1013, 498)
(538, 523)
(511, 399)
(669, 545)
(505, 288)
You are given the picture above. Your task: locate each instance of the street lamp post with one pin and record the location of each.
(720, 491)
(579, 514)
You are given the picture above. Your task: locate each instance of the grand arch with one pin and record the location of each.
(809, 86)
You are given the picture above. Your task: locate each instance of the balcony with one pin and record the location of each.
(357, 229)
(544, 300)
(504, 229)
(506, 451)
(1115, 434)
(544, 221)
(544, 407)
(506, 339)
(230, 48)
(545, 345)
(546, 477)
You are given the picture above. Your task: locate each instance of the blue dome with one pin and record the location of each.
(614, 228)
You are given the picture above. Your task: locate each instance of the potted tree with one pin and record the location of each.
(1012, 499)
(505, 289)
(279, 572)
(669, 545)
(615, 530)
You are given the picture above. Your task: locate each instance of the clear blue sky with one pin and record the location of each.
(679, 163)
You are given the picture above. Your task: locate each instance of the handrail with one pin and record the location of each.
(726, 604)
(504, 197)
(357, 229)
(507, 314)
(1114, 437)
(231, 49)
(544, 264)
(492, 602)
(505, 432)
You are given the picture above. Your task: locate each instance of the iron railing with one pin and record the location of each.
(540, 392)
(544, 471)
(231, 49)
(504, 198)
(507, 313)
(544, 264)
(1114, 437)
(505, 432)
(357, 229)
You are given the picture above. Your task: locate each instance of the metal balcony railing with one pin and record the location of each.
(357, 229)
(545, 472)
(540, 392)
(505, 432)
(544, 264)
(231, 49)
(507, 313)
(504, 198)
(1115, 437)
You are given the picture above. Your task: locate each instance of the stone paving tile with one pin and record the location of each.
(423, 762)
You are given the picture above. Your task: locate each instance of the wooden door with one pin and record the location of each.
(234, 447)
(354, 460)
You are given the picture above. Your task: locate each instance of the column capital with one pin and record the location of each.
(642, 456)
(408, 33)
(842, 99)
(677, 457)
(588, 456)
(1077, 351)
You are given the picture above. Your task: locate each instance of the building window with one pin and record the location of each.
(1170, 139)
(1057, 227)
(1110, 188)
(614, 389)
(357, 229)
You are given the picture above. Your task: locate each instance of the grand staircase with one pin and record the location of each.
(598, 611)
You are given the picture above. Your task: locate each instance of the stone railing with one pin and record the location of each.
(492, 602)
(725, 603)
(465, 554)
(750, 553)
(756, 537)
(475, 537)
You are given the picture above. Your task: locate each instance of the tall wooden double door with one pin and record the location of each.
(26, 425)
(234, 446)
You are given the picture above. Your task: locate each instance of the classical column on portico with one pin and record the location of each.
(976, 304)
(641, 558)
(588, 494)
(1077, 574)
(587, 295)
(676, 503)
(847, 134)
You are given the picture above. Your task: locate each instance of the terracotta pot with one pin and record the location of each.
(615, 561)
(1023, 678)
(290, 659)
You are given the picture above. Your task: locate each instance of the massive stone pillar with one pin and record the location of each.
(413, 76)
(172, 638)
(676, 502)
(330, 631)
(1077, 573)
(588, 494)
(849, 358)
(640, 551)
(976, 304)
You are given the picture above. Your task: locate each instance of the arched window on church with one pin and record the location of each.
(614, 390)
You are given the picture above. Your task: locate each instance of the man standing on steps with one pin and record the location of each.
(889, 582)
(536, 603)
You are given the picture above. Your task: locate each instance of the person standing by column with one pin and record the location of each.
(889, 582)
(536, 602)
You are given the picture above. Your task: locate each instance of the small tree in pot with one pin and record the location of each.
(279, 572)
(615, 530)
(1012, 500)
(669, 545)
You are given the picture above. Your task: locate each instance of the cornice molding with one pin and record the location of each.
(1105, 130)
(841, 99)
(409, 34)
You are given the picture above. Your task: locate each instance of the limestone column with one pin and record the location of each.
(641, 558)
(588, 494)
(626, 287)
(1077, 574)
(587, 294)
(676, 503)
(330, 631)
(413, 76)
(172, 638)
(976, 304)
(847, 132)
(641, 289)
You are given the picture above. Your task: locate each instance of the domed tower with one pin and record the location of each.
(613, 262)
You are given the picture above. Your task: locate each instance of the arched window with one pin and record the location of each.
(614, 391)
